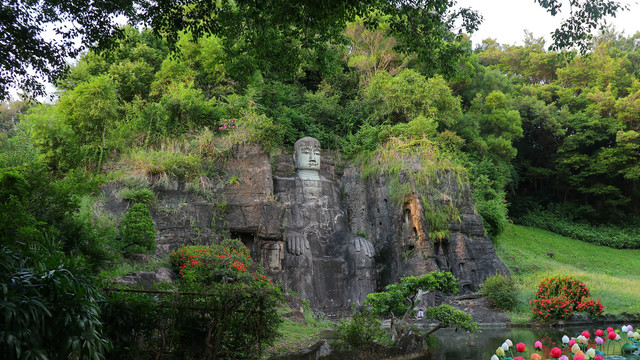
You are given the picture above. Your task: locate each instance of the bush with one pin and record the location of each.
(363, 329)
(501, 291)
(228, 262)
(49, 307)
(559, 297)
(219, 310)
(137, 232)
(141, 196)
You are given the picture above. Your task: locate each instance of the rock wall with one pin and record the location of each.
(401, 237)
(257, 202)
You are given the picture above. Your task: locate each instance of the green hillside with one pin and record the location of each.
(611, 275)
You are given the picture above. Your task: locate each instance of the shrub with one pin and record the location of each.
(501, 291)
(219, 310)
(363, 329)
(137, 232)
(228, 262)
(559, 297)
(141, 196)
(49, 307)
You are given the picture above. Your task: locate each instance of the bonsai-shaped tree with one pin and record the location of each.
(137, 231)
(399, 300)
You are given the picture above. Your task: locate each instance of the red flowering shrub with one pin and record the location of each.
(225, 263)
(549, 309)
(591, 307)
(559, 297)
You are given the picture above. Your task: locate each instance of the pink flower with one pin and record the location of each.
(572, 342)
(586, 334)
(599, 340)
(518, 358)
(598, 357)
(609, 329)
(578, 357)
(611, 335)
(563, 357)
(599, 332)
(520, 347)
(537, 345)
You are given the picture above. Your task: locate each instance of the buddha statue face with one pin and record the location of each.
(307, 154)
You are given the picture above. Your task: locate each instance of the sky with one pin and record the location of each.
(506, 20)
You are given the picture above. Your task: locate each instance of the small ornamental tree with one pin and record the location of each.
(559, 297)
(137, 232)
(399, 300)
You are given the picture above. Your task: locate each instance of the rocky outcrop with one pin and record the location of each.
(315, 240)
(401, 237)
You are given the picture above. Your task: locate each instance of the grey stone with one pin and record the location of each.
(146, 280)
(400, 233)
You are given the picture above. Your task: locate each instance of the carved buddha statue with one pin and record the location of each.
(324, 261)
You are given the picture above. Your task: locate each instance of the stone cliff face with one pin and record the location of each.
(264, 205)
(401, 236)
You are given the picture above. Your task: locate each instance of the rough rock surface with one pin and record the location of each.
(399, 232)
(262, 203)
(146, 280)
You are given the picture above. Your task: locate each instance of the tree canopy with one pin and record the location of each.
(38, 37)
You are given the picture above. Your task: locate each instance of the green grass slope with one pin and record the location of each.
(611, 275)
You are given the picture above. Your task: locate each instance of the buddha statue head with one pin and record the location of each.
(306, 155)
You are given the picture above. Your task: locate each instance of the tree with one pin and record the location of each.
(584, 16)
(137, 230)
(25, 29)
(272, 33)
(400, 299)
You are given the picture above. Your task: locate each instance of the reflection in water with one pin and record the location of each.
(462, 345)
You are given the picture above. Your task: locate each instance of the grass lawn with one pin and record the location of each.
(296, 336)
(611, 275)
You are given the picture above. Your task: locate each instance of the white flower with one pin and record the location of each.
(591, 353)
(575, 348)
(630, 334)
(617, 337)
(505, 346)
(583, 340)
(625, 328)
(636, 335)
(495, 357)
(509, 342)
(565, 339)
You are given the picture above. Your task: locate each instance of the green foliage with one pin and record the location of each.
(50, 307)
(142, 196)
(362, 329)
(559, 222)
(409, 96)
(218, 311)
(224, 321)
(399, 299)
(502, 292)
(396, 298)
(448, 316)
(137, 231)
(157, 163)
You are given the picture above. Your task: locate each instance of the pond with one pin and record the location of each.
(460, 345)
